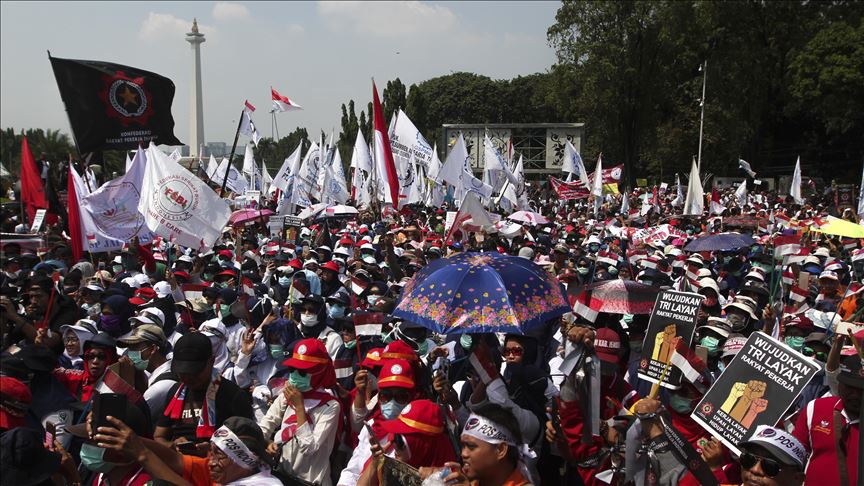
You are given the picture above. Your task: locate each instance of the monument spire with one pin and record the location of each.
(196, 120)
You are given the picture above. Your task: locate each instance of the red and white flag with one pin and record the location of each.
(249, 106)
(485, 369)
(383, 155)
(368, 323)
(283, 103)
(788, 277)
(716, 207)
(691, 366)
(797, 294)
(786, 245)
(471, 209)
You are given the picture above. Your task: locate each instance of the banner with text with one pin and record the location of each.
(673, 319)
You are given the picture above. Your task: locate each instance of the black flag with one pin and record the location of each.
(115, 107)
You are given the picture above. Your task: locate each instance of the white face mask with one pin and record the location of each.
(308, 320)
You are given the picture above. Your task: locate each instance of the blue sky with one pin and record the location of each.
(321, 54)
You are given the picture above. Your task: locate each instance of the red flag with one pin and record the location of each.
(32, 192)
(383, 154)
(74, 217)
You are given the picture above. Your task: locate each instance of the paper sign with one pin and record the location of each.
(37, 220)
(672, 319)
(758, 386)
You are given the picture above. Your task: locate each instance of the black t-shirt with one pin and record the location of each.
(231, 401)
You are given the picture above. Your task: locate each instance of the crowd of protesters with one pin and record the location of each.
(241, 365)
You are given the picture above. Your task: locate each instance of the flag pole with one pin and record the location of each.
(231, 156)
(702, 116)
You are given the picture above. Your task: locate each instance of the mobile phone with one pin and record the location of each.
(50, 435)
(108, 404)
(372, 434)
(186, 447)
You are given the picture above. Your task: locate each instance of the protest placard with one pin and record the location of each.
(673, 319)
(757, 388)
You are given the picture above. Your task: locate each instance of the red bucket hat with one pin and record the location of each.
(418, 417)
(15, 398)
(400, 350)
(396, 373)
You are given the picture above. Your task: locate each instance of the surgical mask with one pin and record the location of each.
(308, 320)
(465, 341)
(303, 383)
(92, 459)
(710, 343)
(613, 270)
(680, 404)
(277, 351)
(636, 347)
(582, 270)
(721, 366)
(795, 342)
(285, 281)
(391, 409)
(225, 263)
(117, 269)
(222, 309)
(735, 321)
(351, 344)
(139, 362)
(207, 277)
(372, 299)
(335, 310)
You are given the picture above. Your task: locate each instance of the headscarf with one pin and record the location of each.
(121, 308)
(82, 336)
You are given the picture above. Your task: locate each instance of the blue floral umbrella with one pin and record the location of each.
(481, 292)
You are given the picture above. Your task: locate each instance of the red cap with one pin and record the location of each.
(363, 230)
(418, 417)
(227, 273)
(226, 253)
(373, 358)
(346, 242)
(396, 373)
(400, 350)
(136, 301)
(146, 293)
(15, 398)
(296, 264)
(607, 344)
(308, 354)
(182, 273)
(331, 265)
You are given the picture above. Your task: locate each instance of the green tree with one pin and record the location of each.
(392, 98)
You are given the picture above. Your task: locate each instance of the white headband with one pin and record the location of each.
(486, 430)
(234, 448)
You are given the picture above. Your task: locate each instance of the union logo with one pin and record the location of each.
(126, 99)
(176, 198)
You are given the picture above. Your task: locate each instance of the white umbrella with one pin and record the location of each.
(338, 211)
(528, 217)
(312, 210)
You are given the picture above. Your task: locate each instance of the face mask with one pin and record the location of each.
(680, 404)
(795, 342)
(91, 458)
(117, 269)
(710, 343)
(308, 320)
(303, 383)
(225, 263)
(285, 281)
(391, 409)
(465, 341)
(351, 344)
(721, 366)
(109, 323)
(582, 270)
(613, 270)
(735, 321)
(335, 310)
(207, 277)
(635, 347)
(139, 363)
(222, 309)
(277, 351)
(372, 299)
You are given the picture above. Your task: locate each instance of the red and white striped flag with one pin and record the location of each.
(484, 368)
(797, 294)
(383, 155)
(582, 308)
(849, 243)
(799, 257)
(786, 245)
(283, 103)
(249, 106)
(634, 256)
(788, 277)
(691, 366)
(358, 285)
(368, 323)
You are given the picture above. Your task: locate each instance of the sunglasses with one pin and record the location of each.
(769, 466)
(810, 352)
(92, 356)
(400, 396)
(516, 352)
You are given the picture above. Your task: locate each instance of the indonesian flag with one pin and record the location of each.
(691, 366)
(786, 245)
(799, 257)
(582, 307)
(471, 209)
(247, 287)
(788, 277)
(484, 368)
(193, 291)
(283, 103)
(358, 285)
(849, 243)
(383, 155)
(797, 294)
(858, 255)
(368, 323)
(117, 379)
(650, 262)
(634, 256)
(716, 207)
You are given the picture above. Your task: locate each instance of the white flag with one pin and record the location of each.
(361, 158)
(236, 183)
(495, 163)
(285, 177)
(795, 188)
(573, 163)
(417, 191)
(470, 209)
(679, 192)
(436, 192)
(334, 189)
(597, 185)
(625, 204)
(247, 127)
(178, 206)
(454, 164)
(212, 167)
(515, 193)
(741, 193)
(248, 161)
(128, 165)
(743, 164)
(112, 210)
(307, 177)
(695, 202)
